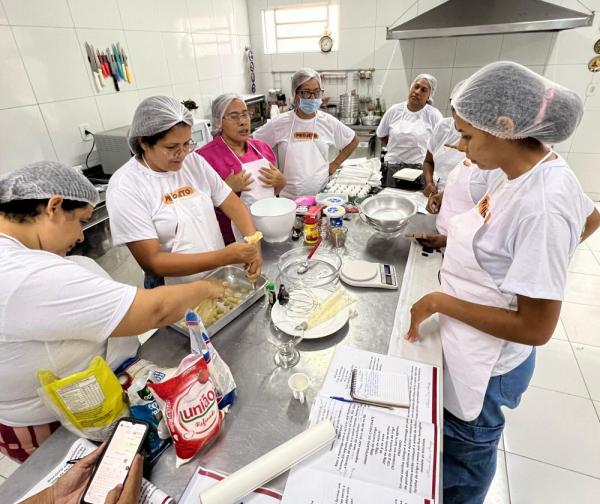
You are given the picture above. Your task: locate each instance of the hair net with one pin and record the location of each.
(456, 89)
(155, 115)
(432, 84)
(219, 107)
(304, 75)
(510, 101)
(44, 179)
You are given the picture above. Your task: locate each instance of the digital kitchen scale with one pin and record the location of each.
(367, 274)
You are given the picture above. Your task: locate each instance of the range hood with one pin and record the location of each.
(483, 17)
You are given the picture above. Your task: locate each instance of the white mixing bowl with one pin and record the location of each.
(274, 218)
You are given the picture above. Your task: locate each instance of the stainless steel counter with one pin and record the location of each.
(265, 415)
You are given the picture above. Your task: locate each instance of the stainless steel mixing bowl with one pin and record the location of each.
(388, 213)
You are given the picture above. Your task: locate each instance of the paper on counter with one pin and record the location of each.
(377, 447)
(422, 380)
(149, 493)
(204, 478)
(244, 481)
(326, 488)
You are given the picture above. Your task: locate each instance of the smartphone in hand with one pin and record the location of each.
(126, 441)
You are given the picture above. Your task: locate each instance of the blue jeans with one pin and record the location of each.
(470, 448)
(150, 282)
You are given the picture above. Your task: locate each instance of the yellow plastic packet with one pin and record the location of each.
(87, 403)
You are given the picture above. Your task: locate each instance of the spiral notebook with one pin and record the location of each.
(380, 388)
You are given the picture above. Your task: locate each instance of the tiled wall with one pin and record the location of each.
(561, 56)
(184, 48)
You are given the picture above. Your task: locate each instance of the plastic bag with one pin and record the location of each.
(219, 371)
(87, 403)
(188, 401)
(134, 377)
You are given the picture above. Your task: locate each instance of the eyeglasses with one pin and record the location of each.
(310, 93)
(237, 116)
(188, 147)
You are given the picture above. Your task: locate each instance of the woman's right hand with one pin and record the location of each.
(214, 288)
(434, 203)
(243, 253)
(239, 182)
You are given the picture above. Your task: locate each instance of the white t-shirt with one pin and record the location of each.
(328, 132)
(408, 132)
(534, 228)
(138, 205)
(444, 158)
(54, 314)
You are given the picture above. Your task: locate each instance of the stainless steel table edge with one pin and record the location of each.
(265, 415)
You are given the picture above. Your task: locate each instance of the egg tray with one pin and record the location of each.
(236, 280)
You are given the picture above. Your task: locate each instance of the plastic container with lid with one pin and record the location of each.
(335, 214)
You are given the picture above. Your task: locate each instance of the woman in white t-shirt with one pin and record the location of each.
(162, 202)
(407, 127)
(58, 312)
(505, 267)
(301, 138)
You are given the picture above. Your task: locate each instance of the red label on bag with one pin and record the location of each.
(189, 403)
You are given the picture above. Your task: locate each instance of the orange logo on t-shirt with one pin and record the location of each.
(180, 192)
(484, 207)
(306, 135)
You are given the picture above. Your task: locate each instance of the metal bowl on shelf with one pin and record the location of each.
(348, 121)
(388, 213)
(370, 120)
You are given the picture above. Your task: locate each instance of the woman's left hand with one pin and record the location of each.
(272, 177)
(421, 311)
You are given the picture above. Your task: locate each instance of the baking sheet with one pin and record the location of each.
(236, 278)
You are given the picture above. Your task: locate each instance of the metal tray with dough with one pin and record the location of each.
(236, 280)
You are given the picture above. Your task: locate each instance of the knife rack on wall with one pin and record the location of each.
(110, 64)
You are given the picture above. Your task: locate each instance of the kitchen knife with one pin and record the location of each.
(95, 75)
(113, 70)
(128, 73)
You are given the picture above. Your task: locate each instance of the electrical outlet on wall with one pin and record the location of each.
(86, 137)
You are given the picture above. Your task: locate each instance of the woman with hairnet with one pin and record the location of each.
(59, 312)
(504, 271)
(461, 184)
(441, 157)
(245, 164)
(302, 137)
(162, 202)
(407, 127)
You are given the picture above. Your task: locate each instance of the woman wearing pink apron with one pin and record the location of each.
(247, 165)
(505, 265)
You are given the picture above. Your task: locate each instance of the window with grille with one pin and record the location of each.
(299, 28)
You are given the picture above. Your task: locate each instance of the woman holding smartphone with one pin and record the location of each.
(505, 267)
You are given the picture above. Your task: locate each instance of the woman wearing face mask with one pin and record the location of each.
(302, 137)
(59, 312)
(505, 267)
(161, 202)
(407, 127)
(247, 165)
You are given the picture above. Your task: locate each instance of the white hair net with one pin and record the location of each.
(510, 101)
(304, 75)
(456, 89)
(432, 84)
(155, 115)
(44, 179)
(219, 106)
